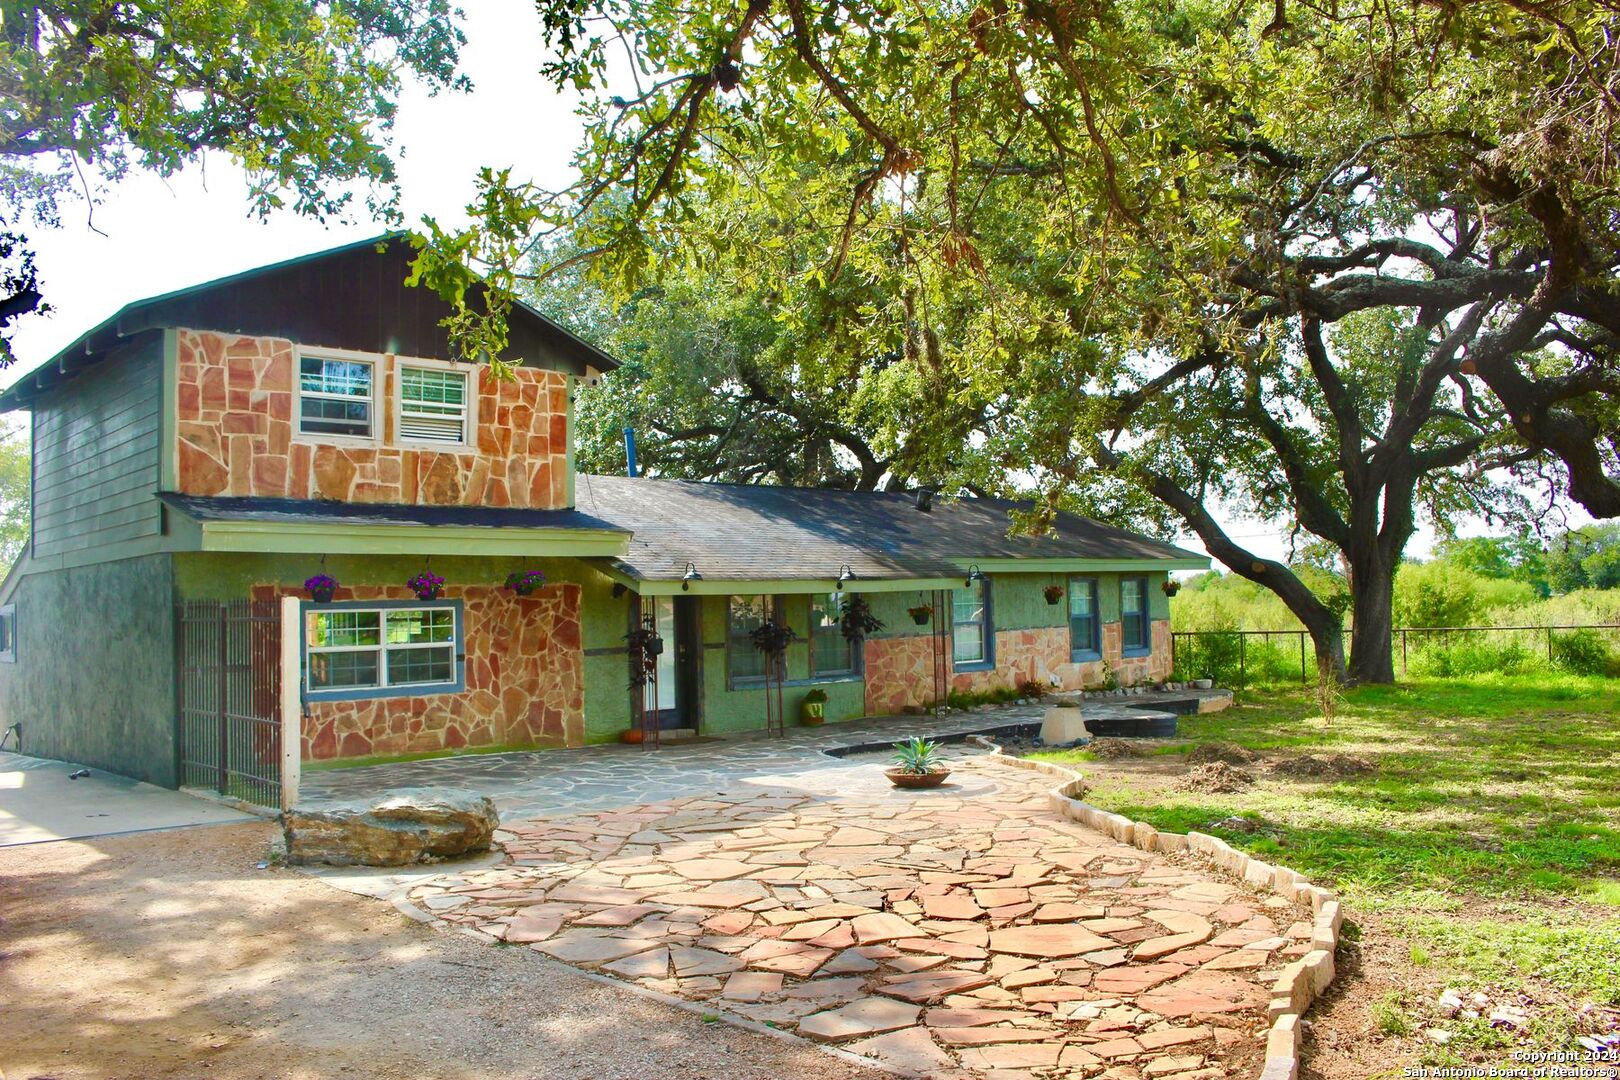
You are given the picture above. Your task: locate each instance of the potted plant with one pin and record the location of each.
(921, 614)
(1053, 594)
(646, 645)
(917, 765)
(858, 620)
(772, 638)
(813, 707)
(525, 582)
(1171, 586)
(321, 587)
(427, 585)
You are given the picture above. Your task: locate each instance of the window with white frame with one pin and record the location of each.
(335, 396)
(970, 624)
(361, 651)
(434, 405)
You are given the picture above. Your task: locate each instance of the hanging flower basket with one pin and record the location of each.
(921, 614)
(427, 585)
(645, 647)
(525, 582)
(858, 620)
(321, 588)
(1053, 594)
(1171, 586)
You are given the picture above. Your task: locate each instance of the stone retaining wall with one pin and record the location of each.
(1301, 982)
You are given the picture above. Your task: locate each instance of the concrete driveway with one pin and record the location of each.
(38, 803)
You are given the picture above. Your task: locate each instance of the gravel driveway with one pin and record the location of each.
(172, 955)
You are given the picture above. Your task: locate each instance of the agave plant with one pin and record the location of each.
(917, 755)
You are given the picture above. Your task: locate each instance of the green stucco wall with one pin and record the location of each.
(94, 677)
(1017, 603)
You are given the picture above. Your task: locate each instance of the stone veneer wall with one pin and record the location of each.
(899, 670)
(525, 673)
(235, 413)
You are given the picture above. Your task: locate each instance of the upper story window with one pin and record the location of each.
(336, 396)
(435, 405)
(382, 650)
(1084, 623)
(1133, 615)
(831, 653)
(970, 624)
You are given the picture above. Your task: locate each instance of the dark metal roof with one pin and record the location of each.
(754, 532)
(349, 297)
(329, 512)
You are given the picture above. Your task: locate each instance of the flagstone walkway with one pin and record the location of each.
(966, 932)
(528, 784)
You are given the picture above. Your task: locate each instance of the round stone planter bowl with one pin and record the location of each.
(900, 778)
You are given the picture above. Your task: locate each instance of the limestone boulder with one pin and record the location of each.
(405, 826)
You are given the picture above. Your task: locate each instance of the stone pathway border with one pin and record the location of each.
(1301, 982)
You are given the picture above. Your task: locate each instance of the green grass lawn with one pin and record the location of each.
(1486, 838)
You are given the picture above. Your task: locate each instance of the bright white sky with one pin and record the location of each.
(163, 235)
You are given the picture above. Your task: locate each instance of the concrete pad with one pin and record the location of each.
(38, 804)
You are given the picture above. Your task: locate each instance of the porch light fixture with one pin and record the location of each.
(690, 576)
(845, 574)
(974, 574)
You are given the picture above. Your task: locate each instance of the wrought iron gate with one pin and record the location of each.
(229, 674)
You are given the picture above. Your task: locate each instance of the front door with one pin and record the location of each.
(677, 623)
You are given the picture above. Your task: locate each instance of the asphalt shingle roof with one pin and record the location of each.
(329, 512)
(747, 532)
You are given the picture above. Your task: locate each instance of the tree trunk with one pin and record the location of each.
(1372, 593)
(1327, 635)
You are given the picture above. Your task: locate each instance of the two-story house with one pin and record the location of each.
(230, 441)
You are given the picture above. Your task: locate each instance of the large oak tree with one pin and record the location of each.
(1338, 264)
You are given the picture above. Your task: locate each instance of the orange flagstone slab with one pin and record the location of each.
(1046, 941)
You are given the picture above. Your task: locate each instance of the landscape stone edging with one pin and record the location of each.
(1302, 981)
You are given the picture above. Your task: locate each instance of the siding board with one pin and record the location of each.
(96, 453)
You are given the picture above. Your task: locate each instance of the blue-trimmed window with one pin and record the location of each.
(744, 615)
(971, 633)
(361, 649)
(831, 653)
(1085, 621)
(1133, 616)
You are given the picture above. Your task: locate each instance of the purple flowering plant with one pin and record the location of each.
(427, 585)
(321, 587)
(525, 582)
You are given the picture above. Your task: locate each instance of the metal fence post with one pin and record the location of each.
(221, 708)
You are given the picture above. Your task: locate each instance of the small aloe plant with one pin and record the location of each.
(917, 755)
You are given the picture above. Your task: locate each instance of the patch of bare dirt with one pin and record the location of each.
(1216, 778)
(1229, 752)
(1323, 767)
(168, 955)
